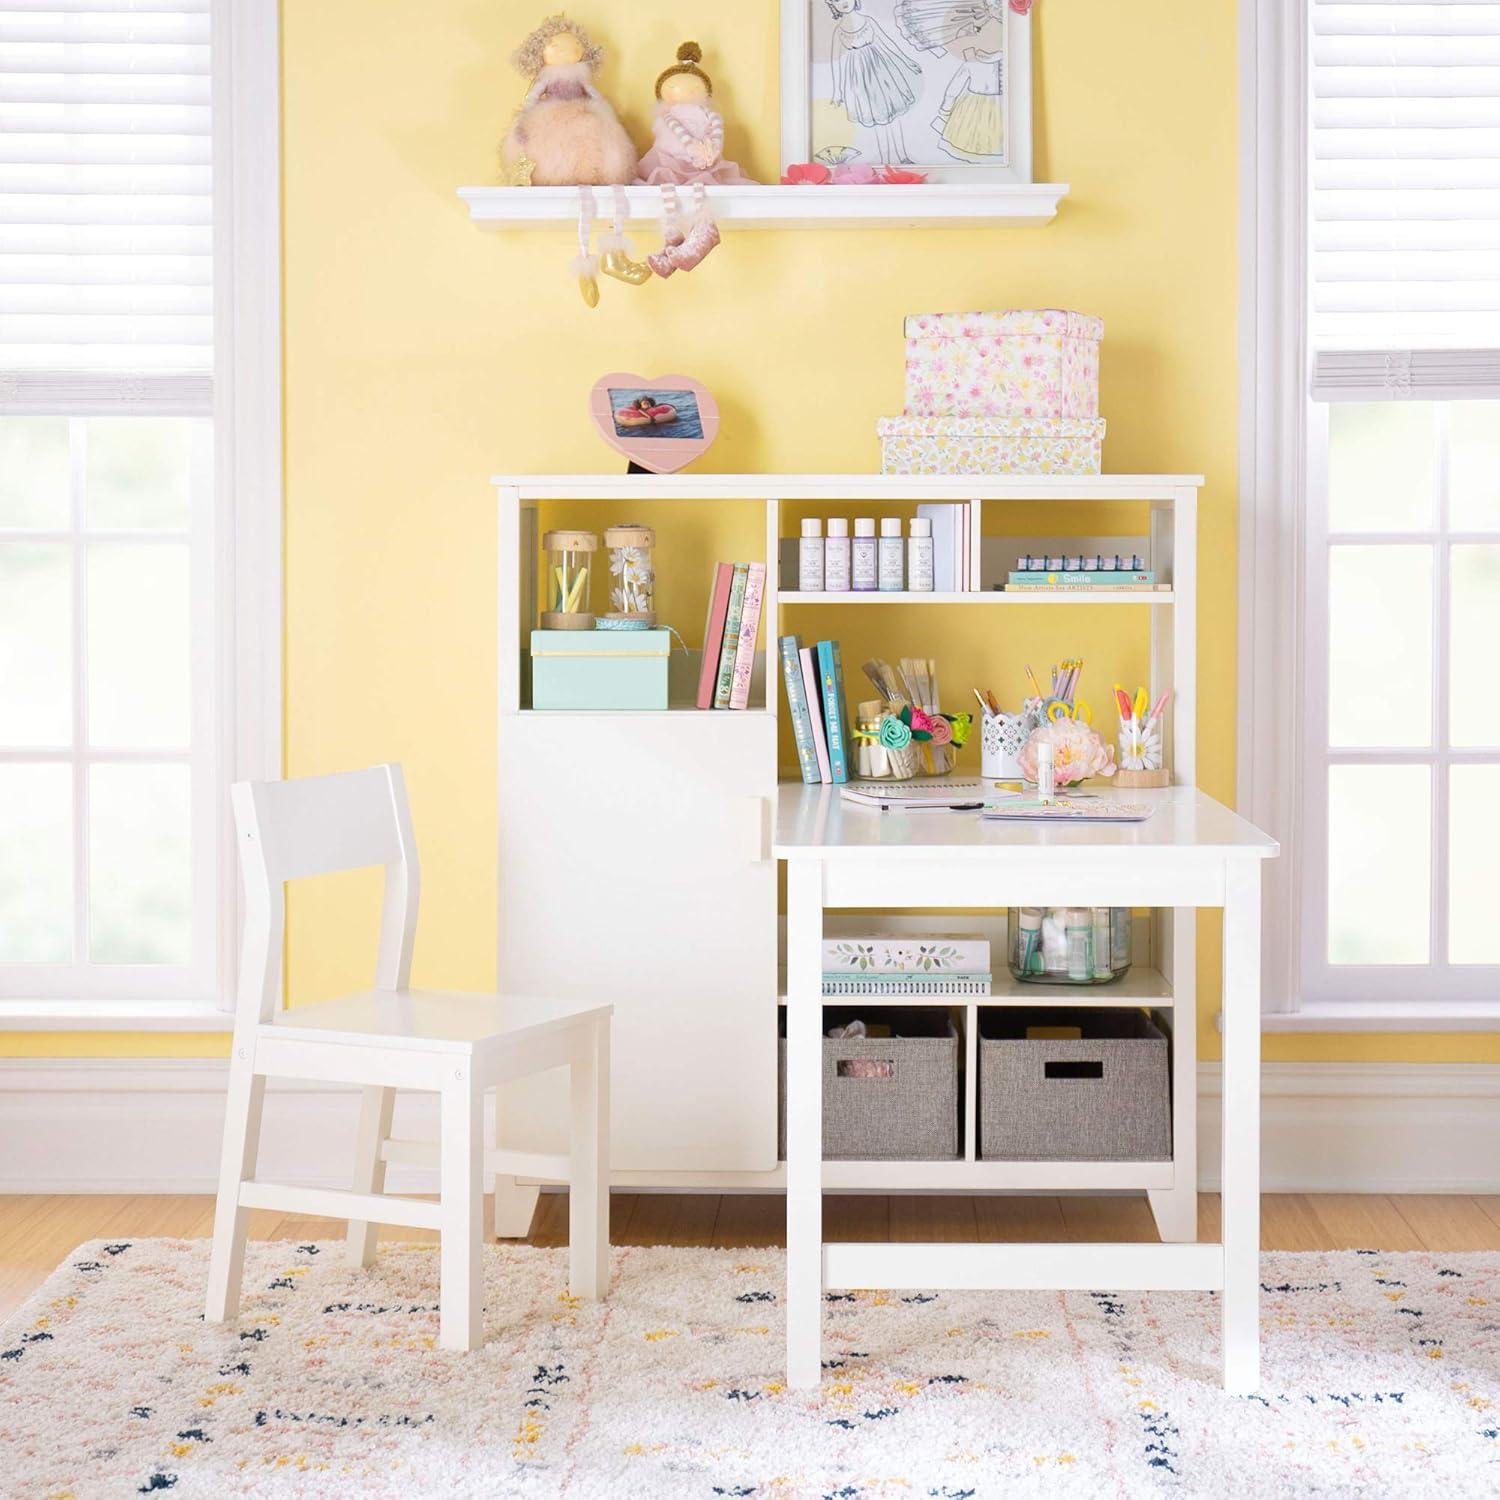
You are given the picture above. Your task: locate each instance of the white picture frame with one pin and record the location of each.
(809, 124)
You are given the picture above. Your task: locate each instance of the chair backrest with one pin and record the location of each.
(314, 826)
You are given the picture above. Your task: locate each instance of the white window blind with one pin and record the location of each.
(1405, 221)
(106, 200)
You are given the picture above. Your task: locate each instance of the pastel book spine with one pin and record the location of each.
(831, 672)
(713, 634)
(730, 649)
(744, 656)
(796, 702)
(815, 710)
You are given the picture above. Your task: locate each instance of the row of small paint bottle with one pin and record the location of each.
(863, 563)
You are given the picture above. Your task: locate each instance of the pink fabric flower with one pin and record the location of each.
(1021, 7)
(855, 172)
(942, 731)
(1077, 752)
(806, 173)
(899, 175)
(920, 721)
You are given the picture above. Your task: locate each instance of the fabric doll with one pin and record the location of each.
(689, 130)
(566, 132)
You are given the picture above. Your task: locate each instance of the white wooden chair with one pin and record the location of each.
(457, 1045)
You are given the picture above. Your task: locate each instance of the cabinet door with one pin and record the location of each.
(635, 868)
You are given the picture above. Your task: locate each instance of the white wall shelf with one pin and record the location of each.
(774, 206)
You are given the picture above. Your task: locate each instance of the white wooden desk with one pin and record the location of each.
(1192, 852)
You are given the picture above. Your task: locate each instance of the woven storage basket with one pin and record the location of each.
(1104, 1098)
(912, 1115)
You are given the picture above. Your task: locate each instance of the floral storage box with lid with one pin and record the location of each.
(1040, 363)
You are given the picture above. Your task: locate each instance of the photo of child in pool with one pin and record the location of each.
(662, 414)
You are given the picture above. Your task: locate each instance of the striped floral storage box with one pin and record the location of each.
(1039, 363)
(990, 445)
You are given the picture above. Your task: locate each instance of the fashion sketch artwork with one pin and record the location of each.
(919, 83)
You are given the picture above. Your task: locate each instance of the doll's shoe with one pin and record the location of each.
(661, 262)
(701, 238)
(618, 264)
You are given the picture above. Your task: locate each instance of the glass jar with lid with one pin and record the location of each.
(632, 574)
(570, 563)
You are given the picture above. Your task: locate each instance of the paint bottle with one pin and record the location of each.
(836, 556)
(863, 570)
(919, 556)
(1080, 930)
(892, 556)
(810, 557)
(1102, 946)
(1046, 786)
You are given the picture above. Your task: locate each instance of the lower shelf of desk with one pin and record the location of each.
(855, 1265)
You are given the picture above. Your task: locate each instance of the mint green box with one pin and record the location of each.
(599, 669)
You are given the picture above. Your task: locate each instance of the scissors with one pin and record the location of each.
(1059, 708)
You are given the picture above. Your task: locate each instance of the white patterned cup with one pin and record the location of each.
(1001, 739)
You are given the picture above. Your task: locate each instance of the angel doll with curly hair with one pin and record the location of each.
(566, 132)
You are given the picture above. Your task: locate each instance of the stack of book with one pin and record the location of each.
(892, 966)
(814, 677)
(950, 546)
(1081, 581)
(729, 635)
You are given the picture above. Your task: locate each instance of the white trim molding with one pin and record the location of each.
(1273, 457)
(154, 1126)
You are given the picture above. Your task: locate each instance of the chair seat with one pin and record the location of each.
(424, 1020)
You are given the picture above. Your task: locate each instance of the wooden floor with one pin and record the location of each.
(37, 1232)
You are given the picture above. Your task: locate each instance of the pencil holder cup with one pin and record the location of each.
(1141, 760)
(632, 574)
(570, 564)
(1069, 944)
(1001, 738)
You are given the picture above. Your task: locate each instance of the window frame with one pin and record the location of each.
(245, 551)
(1283, 450)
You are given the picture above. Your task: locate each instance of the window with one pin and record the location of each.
(1371, 532)
(132, 684)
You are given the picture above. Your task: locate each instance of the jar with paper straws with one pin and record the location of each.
(570, 563)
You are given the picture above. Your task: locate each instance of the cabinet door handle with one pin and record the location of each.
(757, 819)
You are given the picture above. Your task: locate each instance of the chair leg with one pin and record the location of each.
(514, 1205)
(588, 1185)
(461, 1310)
(226, 1262)
(369, 1166)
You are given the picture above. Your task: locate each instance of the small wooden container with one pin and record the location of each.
(1140, 779)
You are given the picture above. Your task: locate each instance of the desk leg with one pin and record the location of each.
(804, 1124)
(1241, 1127)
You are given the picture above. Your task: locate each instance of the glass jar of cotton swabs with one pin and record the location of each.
(1069, 944)
(569, 559)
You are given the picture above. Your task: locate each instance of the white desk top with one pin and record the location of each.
(815, 822)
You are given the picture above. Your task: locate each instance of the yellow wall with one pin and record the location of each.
(422, 355)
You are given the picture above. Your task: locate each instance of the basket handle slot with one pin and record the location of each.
(881, 1069)
(1073, 1068)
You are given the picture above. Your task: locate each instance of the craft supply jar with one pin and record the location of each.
(1001, 740)
(570, 560)
(1068, 944)
(632, 574)
(870, 760)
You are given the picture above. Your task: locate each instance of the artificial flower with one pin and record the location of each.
(806, 173)
(1021, 7)
(919, 722)
(960, 724)
(894, 735)
(942, 730)
(855, 173)
(898, 176)
(1077, 752)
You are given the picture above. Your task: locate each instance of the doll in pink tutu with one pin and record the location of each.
(689, 130)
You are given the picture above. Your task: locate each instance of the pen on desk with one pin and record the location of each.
(944, 807)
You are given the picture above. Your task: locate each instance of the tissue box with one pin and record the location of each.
(989, 445)
(599, 669)
(1041, 363)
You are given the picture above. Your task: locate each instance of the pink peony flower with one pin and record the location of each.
(856, 172)
(1077, 752)
(805, 173)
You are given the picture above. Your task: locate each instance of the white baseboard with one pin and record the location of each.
(96, 1125)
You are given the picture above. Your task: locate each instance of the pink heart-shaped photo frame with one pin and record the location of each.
(662, 424)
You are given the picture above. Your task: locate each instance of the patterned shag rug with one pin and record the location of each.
(1382, 1378)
